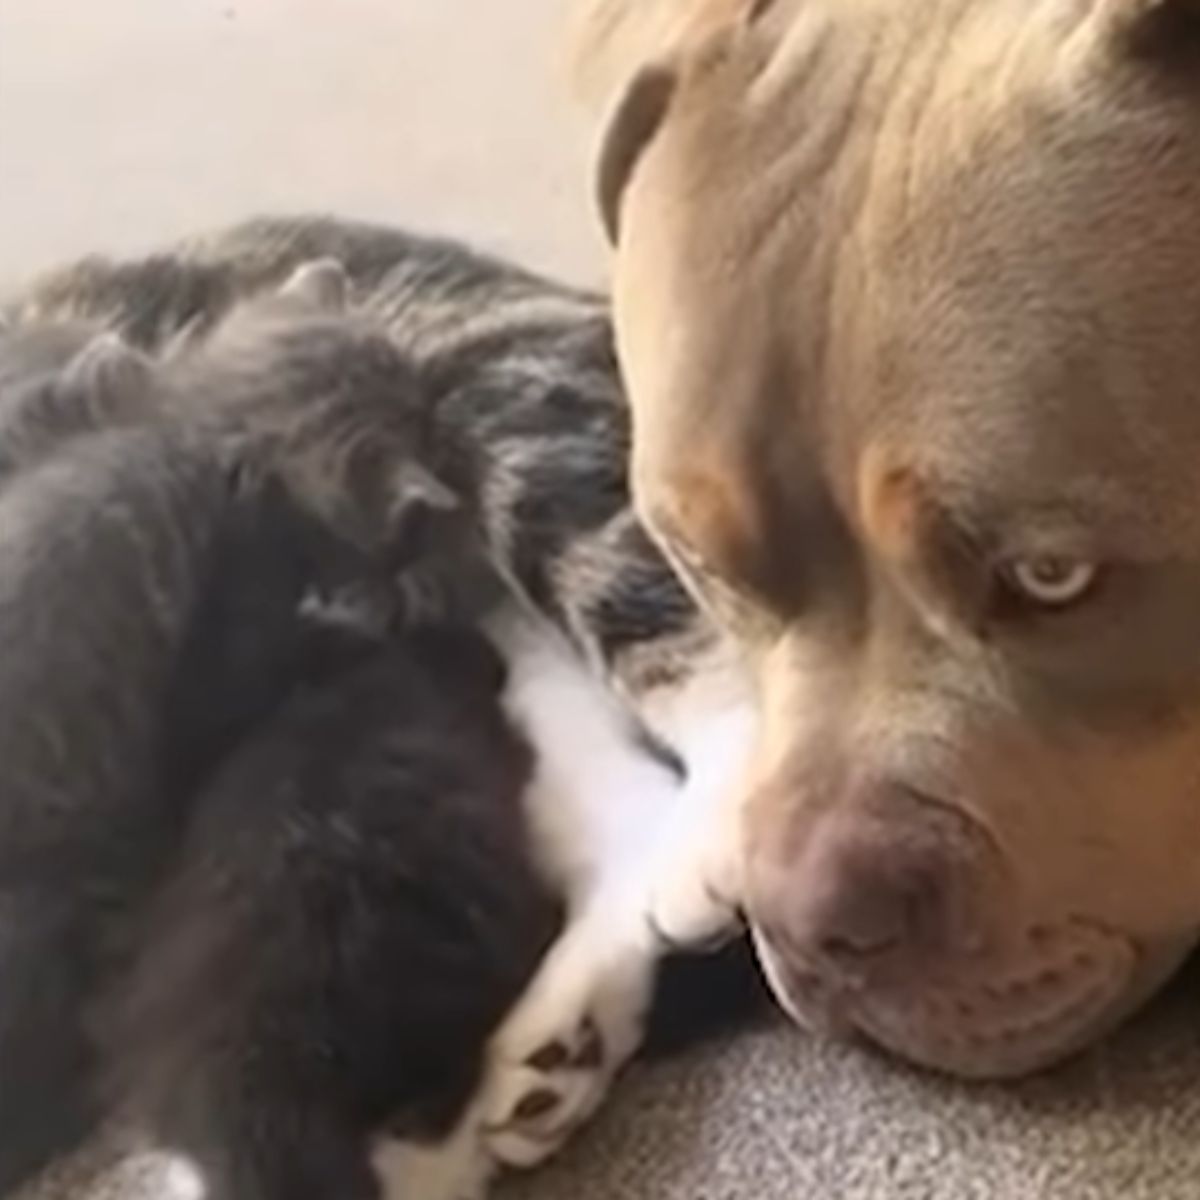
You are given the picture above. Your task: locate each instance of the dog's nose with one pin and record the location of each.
(874, 889)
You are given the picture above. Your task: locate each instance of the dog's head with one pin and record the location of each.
(909, 308)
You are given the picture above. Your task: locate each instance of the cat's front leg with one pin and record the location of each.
(646, 857)
(555, 1058)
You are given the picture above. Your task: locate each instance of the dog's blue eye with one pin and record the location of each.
(1051, 580)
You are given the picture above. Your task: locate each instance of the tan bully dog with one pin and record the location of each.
(908, 301)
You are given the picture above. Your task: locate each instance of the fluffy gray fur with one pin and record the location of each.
(531, 425)
(178, 551)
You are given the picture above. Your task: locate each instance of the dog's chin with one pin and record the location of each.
(1064, 987)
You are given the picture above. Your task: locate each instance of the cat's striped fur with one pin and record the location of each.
(531, 430)
(522, 375)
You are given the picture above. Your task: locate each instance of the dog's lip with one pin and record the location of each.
(1018, 1023)
(810, 1000)
(1071, 984)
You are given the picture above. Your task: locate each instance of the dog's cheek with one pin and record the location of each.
(1111, 827)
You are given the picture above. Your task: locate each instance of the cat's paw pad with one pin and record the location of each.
(554, 1059)
(535, 1105)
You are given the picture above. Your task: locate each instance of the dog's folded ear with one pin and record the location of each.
(633, 123)
(1151, 29)
(609, 41)
(636, 50)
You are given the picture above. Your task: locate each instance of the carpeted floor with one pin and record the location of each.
(771, 1115)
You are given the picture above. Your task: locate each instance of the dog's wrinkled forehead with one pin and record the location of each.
(969, 234)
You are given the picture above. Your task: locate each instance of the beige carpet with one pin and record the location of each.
(771, 1115)
(124, 122)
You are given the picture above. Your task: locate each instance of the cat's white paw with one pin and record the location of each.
(694, 888)
(458, 1167)
(693, 908)
(582, 1018)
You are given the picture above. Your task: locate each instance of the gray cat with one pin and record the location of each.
(202, 605)
(528, 427)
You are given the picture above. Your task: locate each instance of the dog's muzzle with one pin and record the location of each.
(899, 924)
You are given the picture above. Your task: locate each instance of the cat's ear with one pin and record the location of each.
(320, 284)
(414, 487)
(109, 373)
(419, 505)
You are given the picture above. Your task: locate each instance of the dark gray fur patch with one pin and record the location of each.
(531, 423)
(157, 574)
